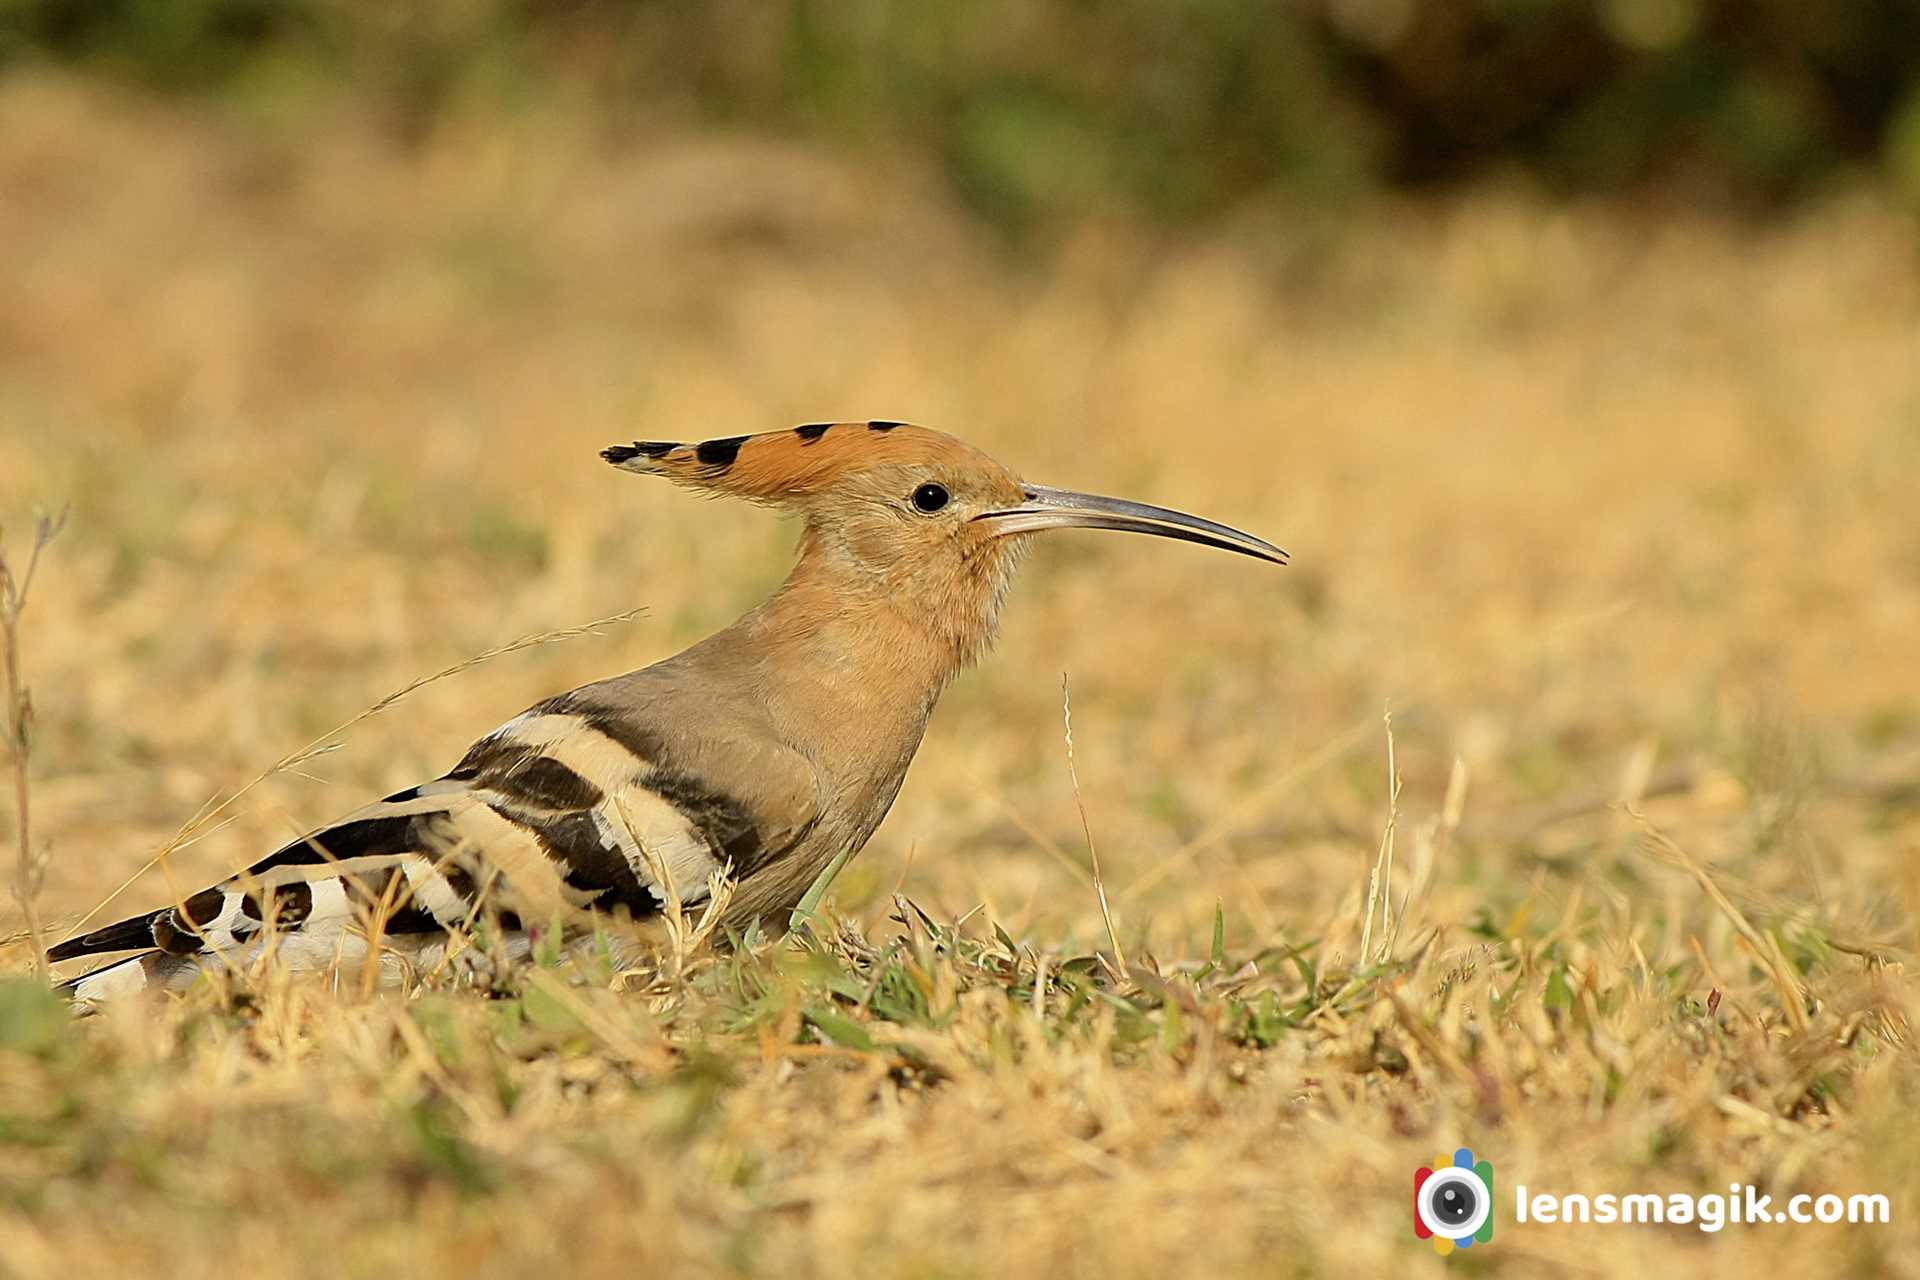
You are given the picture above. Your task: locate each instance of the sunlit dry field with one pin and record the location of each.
(1613, 510)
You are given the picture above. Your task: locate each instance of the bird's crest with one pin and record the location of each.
(775, 466)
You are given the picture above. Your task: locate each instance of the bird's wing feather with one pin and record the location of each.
(574, 805)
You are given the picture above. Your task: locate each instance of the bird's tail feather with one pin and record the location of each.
(122, 935)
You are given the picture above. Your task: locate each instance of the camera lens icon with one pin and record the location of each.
(1453, 1201)
(1451, 1204)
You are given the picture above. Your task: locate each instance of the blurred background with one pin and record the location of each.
(1572, 347)
(1569, 344)
(1037, 114)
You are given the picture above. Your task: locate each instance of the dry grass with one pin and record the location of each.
(1616, 514)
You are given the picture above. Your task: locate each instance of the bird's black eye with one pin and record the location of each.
(930, 497)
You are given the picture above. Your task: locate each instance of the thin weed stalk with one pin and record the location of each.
(29, 869)
(1380, 878)
(1093, 854)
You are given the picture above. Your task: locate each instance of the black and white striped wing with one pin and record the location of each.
(570, 807)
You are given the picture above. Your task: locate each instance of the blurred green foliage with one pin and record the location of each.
(1039, 109)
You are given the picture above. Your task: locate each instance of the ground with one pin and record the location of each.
(1610, 508)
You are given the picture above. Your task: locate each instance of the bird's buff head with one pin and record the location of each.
(908, 519)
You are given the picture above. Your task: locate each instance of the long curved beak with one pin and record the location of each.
(1047, 508)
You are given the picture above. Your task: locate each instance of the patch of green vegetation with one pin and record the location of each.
(33, 1020)
(499, 535)
(1060, 109)
(435, 1128)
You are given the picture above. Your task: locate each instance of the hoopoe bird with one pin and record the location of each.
(764, 751)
